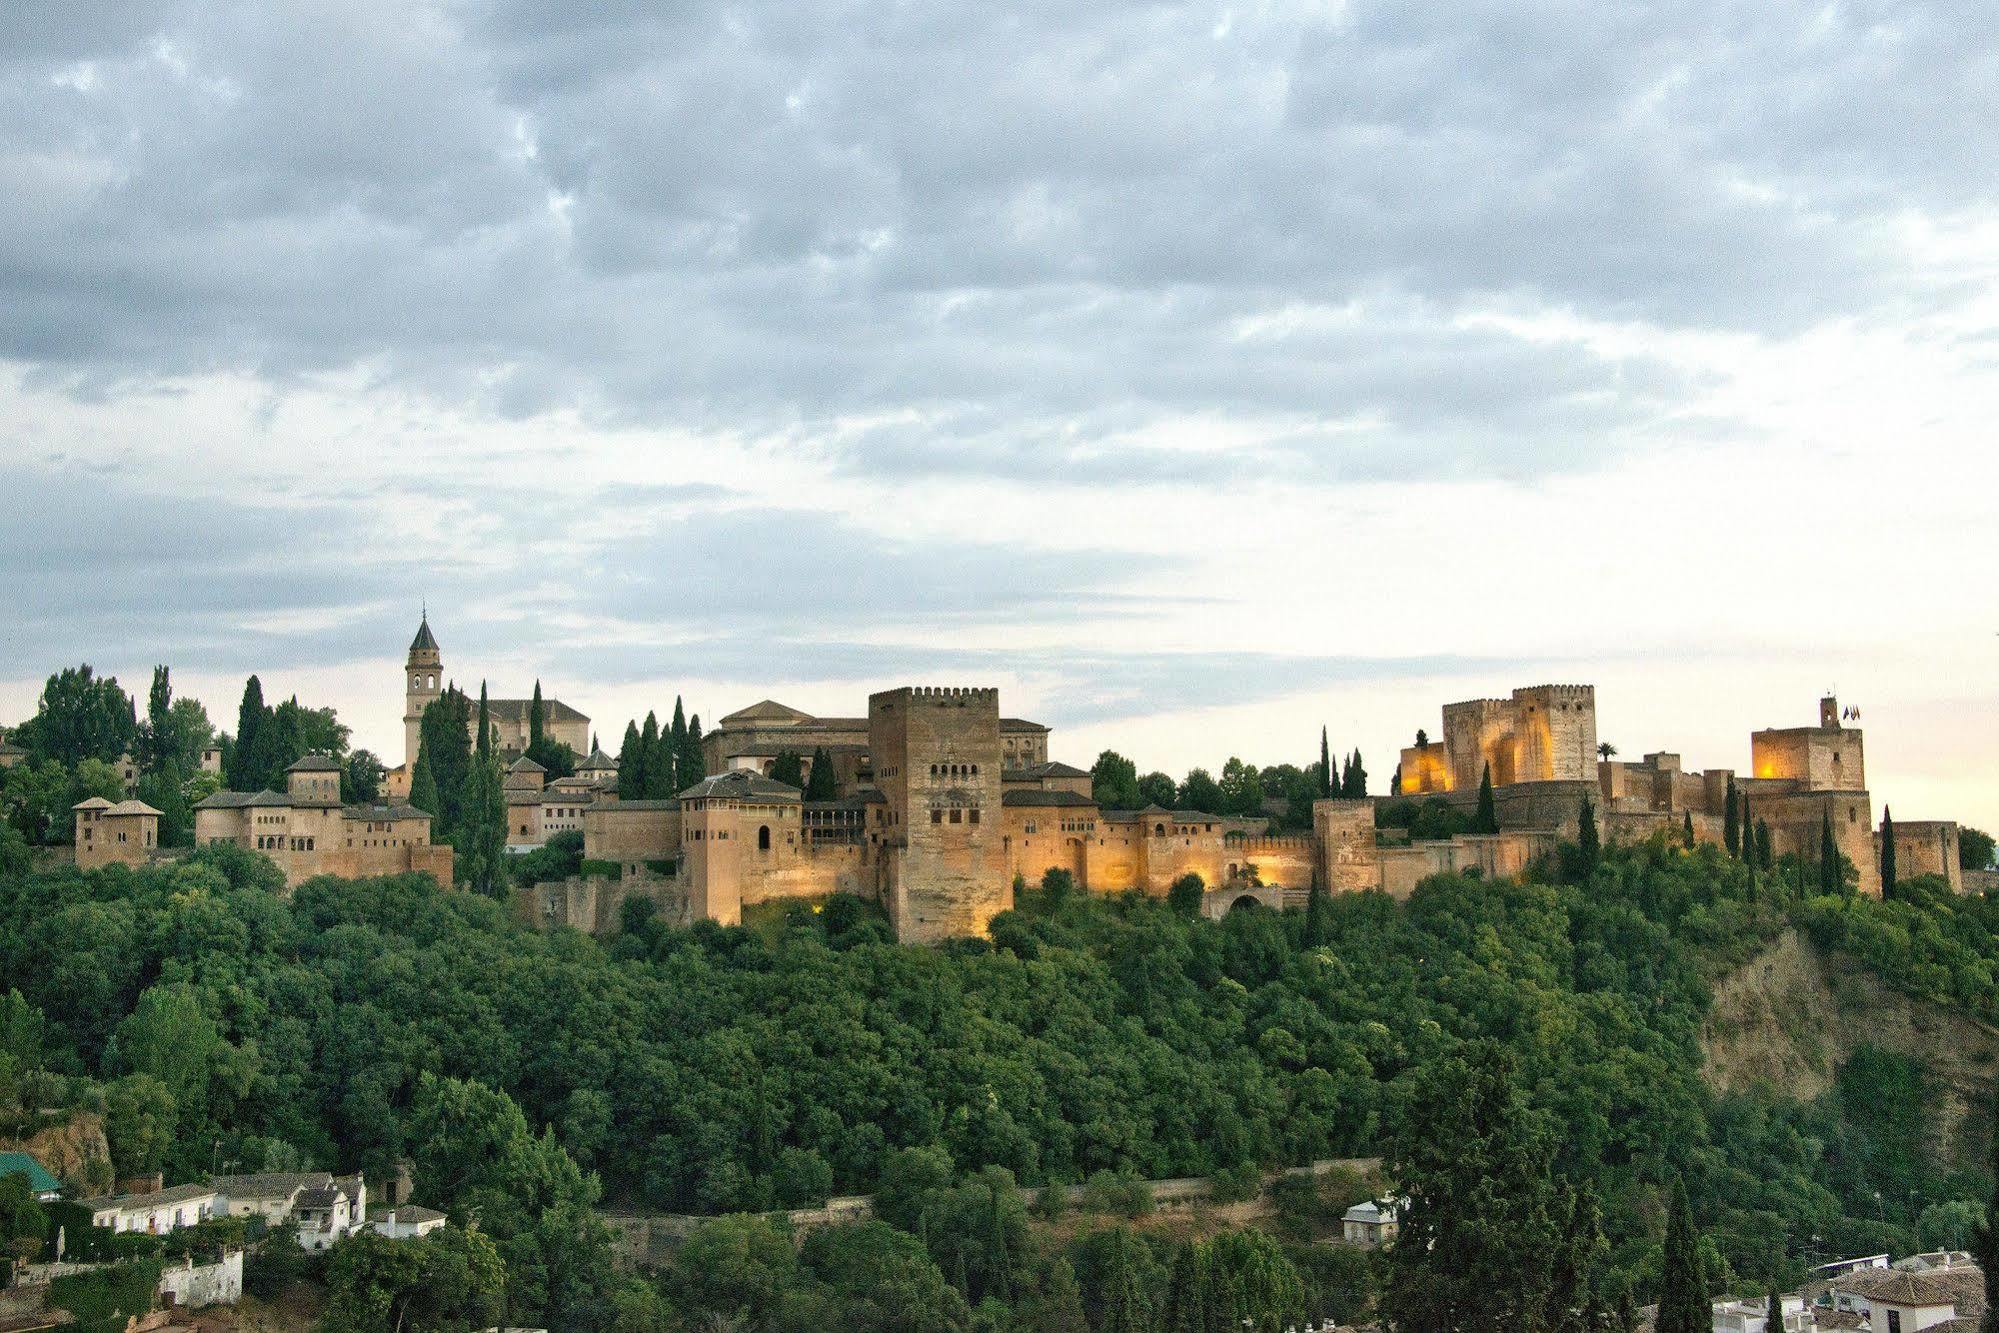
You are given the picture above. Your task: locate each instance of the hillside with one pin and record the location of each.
(1788, 1020)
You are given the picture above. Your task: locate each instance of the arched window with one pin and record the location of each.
(763, 838)
(1158, 830)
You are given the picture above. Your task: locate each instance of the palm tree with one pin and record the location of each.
(1605, 751)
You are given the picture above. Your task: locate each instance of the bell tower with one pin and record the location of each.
(424, 681)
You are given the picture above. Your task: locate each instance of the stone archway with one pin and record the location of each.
(1218, 903)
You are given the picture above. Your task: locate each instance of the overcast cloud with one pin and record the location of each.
(1194, 371)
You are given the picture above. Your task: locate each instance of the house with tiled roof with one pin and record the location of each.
(114, 833)
(41, 1184)
(307, 831)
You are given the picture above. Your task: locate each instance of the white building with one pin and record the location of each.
(1373, 1224)
(159, 1212)
(1753, 1316)
(329, 1214)
(407, 1222)
(270, 1195)
(1900, 1301)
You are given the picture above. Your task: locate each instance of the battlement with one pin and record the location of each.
(941, 695)
(1280, 842)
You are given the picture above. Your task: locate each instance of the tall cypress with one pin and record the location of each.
(1589, 844)
(1773, 1309)
(537, 719)
(1487, 818)
(1832, 878)
(1119, 1295)
(693, 765)
(157, 742)
(823, 783)
(484, 846)
(1687, 830)
(1683, 1298)
(632, 765)
(1353, 784)
(1325, 765)
(1985, 1241)
(1731, 827)
(660, 763)
(678, 736)
(1766, 853)
(1318, 918)
(1183, 1293)
(649, 779)
(244, 754)
(1887, 852)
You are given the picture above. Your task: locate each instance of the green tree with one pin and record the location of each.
(246, 761)
(824, 784)
(445, 748)
(1200, 792)
(1487, 818)
(1242, 789)
(1184, 896)
(1765, 852)
(1687, 830)
(361, 778)
(662, 764)
(1264, 1289)
(1974, 849)
(157, 745)
(1158, 789)
(1353, 781)
(651, 779)
(1477, 1232)
(677, 734)
(1060, 1308)
(789, 769)
(450, 1281)
(423, 795)
(1119, 1295)
(1887, 852)
(537, 717)
(1319, 931)
(1186, 1289)
(632, 765)
(139, 1121)
(880, 1278)
(80, 715)
(483, 847)
(1832, 875)
(1589, 845)
(1325, 774)
(1114, 782)
(1731, 825)
(693, 766)
(1985, 1241)
(1683, 1292)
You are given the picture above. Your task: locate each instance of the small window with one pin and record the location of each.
(936, 816)
(763, 838)
(975, 814)
(957, 815)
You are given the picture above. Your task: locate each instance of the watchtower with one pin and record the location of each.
(423, 677)
(937, 758)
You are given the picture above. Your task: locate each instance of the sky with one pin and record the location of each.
(1197, 374)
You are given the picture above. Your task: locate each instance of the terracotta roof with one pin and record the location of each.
(1892, 1286)
(767, 711)
(133, 808)
(156, 1199)
(92, 803)
(384, 812)
(237, 800)
(1051, 769)
(517, 710)
(314, 763)
(1019, 725)
(525, 765)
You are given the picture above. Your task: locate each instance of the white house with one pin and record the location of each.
(1898, 1301)
(270, 1195)
(406, 1222)
(1753, 1316)
(1372, 1224)
(158, 1212)
(332, 1212)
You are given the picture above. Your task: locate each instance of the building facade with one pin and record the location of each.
(307, 831)
(424, 682)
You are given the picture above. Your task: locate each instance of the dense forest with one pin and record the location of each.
(214, 1023)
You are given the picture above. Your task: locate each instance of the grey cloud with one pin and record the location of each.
(1028, 223)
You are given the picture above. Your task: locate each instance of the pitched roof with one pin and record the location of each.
(92, 803)
(314, 763)
(1033, 797)
(738, 784)
(320, 1196)
(517, 710)
(1051, 769)
(156, 1199)
(133, 808)
(424, 641)
(237, 800)
(671, 803)
(270, 1184)
(401, 810)
(766, 711)
(525, 765)
(598, 760)
(410, 1214)
(1020, 724)
(1893, 1286)
(21, 1164)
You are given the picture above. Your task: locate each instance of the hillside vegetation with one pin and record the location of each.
(208, 1019)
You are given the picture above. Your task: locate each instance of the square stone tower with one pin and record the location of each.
(937, 757)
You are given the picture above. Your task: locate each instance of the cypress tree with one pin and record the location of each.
(1683, 1298)
(1731, 828)
(1354, 785)
(1832, 878)
(444, 741)
(1687, 830)
(537, 718)
(1765, 853)
(1589, 845)
(1487, 818)
(243, 773)
(789, 769)
(157, 742)
(423, 791)
(660, 763)
(1395, 782)
(649, 747)
(1062, 1301)
(693, 767)
(1773, 1308)
(1985, 1242)
(1121, 1302)
(678, 737)
(1183, 1293)
(1887, 852)
(823, 784)
(1325, 766)
(1318, 918)
(1627, 1311)
(484, 845)
(632, 765)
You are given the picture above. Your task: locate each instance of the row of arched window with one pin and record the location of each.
(954, 770)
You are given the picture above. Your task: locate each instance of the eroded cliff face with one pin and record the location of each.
(75, 1152)
(1790, 1017)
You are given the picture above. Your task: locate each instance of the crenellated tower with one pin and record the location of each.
(423, 678)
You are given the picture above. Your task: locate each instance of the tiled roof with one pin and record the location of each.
(132, 808)
(92, 803)
(1019, 725)
(384, 812)
(270, 1184)
(322, 1196)
(766, 711)
(517, 710)
(157, 1199)
(1035, 798)
(314, 763)
(410, 1214)
(1051, 769)
(1894, 1287)
(238, 800)
(525, 765)
(671, 803)
(738, 784)
(424, 641)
